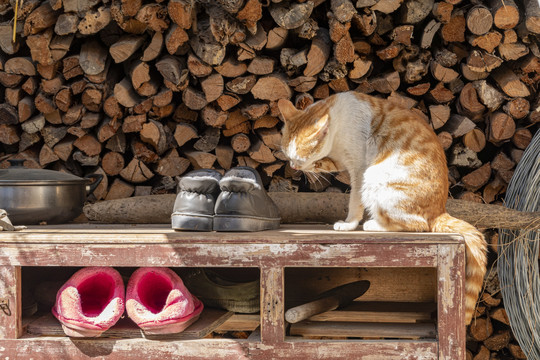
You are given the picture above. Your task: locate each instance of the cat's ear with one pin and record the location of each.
(321, 127)
(287, 109)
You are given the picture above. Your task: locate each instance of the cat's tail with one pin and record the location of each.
(476, 259)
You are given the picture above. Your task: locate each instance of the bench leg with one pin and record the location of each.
(273, 303)
(451, 313)
(10, 302)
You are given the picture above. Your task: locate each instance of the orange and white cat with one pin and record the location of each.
(396, 164)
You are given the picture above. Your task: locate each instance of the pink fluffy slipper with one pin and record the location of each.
(90, 302)
(159, 303)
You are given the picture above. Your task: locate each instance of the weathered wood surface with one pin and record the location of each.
(306, 207)
(54, 347)
(10, 301)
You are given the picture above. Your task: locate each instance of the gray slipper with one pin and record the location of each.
(194, 205)
(243, 204)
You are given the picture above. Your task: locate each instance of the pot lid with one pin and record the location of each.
(17, 174)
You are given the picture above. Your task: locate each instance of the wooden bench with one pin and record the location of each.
(273, 253)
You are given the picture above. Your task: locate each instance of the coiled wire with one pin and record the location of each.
(517, 265)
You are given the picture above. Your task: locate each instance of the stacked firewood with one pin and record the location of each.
(143, 92)
(489, 336)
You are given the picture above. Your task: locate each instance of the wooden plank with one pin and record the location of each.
(208, 254)
(46, 348)
(359, 330)
(451, 302)
(210, 319)
(272, 305)
(10, 302)
(392, 312)
(240, 322)
(297, 233)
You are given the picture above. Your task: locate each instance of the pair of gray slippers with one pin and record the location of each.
(236, 201)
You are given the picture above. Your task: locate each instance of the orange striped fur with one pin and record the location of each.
(396, 164)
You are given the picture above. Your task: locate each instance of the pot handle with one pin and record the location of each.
(97, 179)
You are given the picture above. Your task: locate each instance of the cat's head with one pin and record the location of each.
(305, 138)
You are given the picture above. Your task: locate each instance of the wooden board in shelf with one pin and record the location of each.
(385, 312)
(210, 319)
(241, 322)
(341, 329)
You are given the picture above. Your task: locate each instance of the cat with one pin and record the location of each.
(397, 168)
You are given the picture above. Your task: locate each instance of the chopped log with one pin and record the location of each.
(442, 73)
(489, 96)
(498, 341)
(136, 172)
(516, 352)
(532, 16)
(155, 134)
(261, 66)
(454, 30)
(240, 143)
(522, 138)
(386, 83)
(95, 20)
(513, 51)
(34, 125)
(184, 132)
(90, 119)
(441, 94)
(175, 39)
(40, 19)
(125, 94)
(458, 125)
(501, 127)
(439, 115)
(272, 87)
(442, 11)
(429, 32)
(481, 329)
(195, 100)
(8, 114)
(20, 66)
(142, 152)
(488, 41)
(412, 12)
(261, 153)
(517, 108)
(319, 53)
(181, 13)
(25, 108)
(88, 144)
(172, 164)
(119, 190)
(477, 178)
(200, 160)
(224, 156)
(271, 137)
(293, 16)
(213, 116)
(152, 51)
(107, 129)
(208, 141)
(241, 85)
(212, 87)
(475, 140)
(480, 61)
(63, 149)
(445, 139)
(47, 155)
(505, 13)
(479, 20)
(468, 103)
(125, 47)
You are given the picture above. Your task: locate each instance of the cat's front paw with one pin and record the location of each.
(345, 225)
